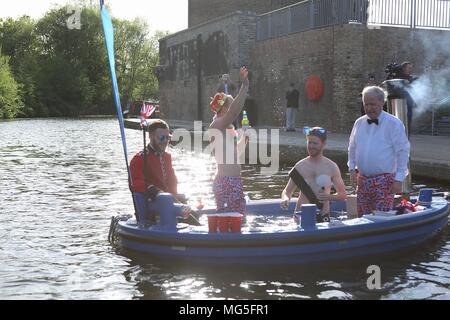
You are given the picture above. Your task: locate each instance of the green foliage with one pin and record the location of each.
(137, 55)
(19, 43)
(58, 71)
(10, 103)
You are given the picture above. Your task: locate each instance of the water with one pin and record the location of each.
(60, 182)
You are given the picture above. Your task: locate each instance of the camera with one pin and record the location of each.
(393, 70)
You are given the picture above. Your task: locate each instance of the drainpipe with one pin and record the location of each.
(199, 78)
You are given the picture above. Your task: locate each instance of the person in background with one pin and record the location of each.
(406, 72)
(319, 172)
(225, 140)
(226, 85)
(229, 88)
(292, 96)
(378, 154)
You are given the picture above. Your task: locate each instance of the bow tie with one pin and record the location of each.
(370, 121)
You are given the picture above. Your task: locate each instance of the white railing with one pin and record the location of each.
(311, 14)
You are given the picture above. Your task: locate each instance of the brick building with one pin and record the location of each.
(283, 42)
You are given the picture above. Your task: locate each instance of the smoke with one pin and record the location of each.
(429, 89)
(433, 83)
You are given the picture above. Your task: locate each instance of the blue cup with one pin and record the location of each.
(425, 196)
(308, 216)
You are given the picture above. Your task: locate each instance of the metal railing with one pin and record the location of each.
(311, 14)
(410, 13)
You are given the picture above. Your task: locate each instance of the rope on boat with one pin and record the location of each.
(114, 223)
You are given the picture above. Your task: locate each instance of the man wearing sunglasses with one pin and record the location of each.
(318, 172)
(160, 178)
(160, 172)
(378, 154)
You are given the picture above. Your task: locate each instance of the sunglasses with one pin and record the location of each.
(316, 131)
(163, 137)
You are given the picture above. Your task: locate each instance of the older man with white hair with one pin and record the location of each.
(378, 154)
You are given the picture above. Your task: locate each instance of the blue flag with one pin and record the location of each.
(109, 40)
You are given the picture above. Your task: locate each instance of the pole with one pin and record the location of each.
(108, 31)
(144, 129)
(199, 78)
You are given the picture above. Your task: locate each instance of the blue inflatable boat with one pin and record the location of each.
(270, 235)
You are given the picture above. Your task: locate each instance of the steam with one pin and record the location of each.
(429, 89)
(433, 84)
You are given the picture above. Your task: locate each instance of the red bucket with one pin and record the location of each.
(212, 223)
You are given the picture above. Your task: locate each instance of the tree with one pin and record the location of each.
(63, 71)
(18, 41)
(136, 55)
(146, 83)
(10, 104)
(73, 63)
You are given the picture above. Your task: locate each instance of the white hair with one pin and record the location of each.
(375, 91)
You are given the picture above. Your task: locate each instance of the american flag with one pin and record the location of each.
(146, 111)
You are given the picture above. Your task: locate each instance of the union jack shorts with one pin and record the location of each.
(229, 194)
(375, 193)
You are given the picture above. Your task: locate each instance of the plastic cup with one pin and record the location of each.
(235, 221)
(223, 223)
(298, 217)
(308, 214)
(425, 196)
(352, 206)
(212, 223)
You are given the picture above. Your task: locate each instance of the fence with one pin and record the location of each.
(313, 14)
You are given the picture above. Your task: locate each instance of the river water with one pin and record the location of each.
(61, 180)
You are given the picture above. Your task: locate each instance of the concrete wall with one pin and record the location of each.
(194, 59)
(201, 11)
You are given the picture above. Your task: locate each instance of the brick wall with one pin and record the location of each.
(341, 55)
(293, 58)
(347, 81)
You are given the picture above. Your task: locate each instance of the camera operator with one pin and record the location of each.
(406, 71)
